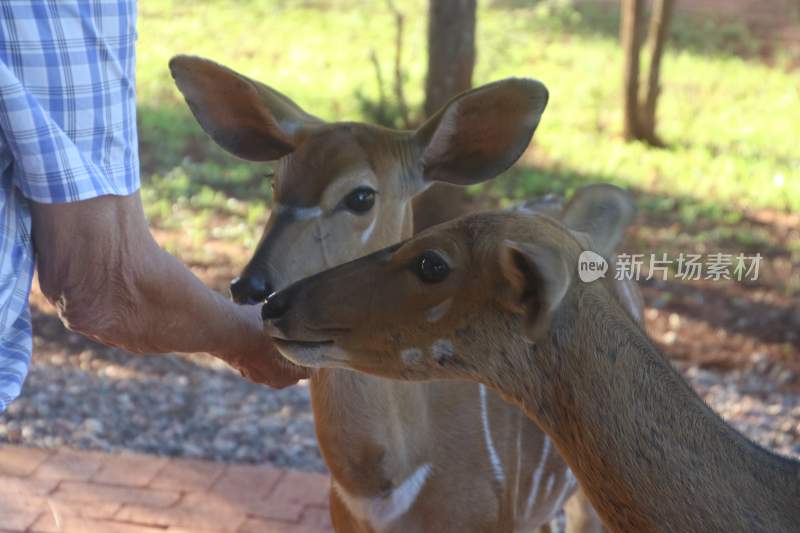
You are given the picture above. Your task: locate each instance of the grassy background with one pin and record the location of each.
(730, 120)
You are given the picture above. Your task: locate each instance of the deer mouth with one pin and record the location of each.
(315, 354)
(301, 344)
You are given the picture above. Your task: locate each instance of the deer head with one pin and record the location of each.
(343, 189)
(427, 308)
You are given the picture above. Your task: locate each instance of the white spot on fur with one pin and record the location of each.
(381, 511)
(441, 350)
(411, 355)
(368, 232)
(435, 313)
(497, 466)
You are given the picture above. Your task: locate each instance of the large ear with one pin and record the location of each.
(536, 279)
(482, 132)
(603, 212)
(247, 118)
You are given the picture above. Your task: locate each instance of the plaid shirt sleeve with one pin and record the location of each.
(67, 133)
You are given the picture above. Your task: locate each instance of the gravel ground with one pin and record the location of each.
(81, 395)
(87, 396)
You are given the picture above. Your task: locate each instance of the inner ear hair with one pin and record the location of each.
(245, 117)
(480, 133)
(537, 280)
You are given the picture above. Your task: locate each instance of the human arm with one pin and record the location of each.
(110, 280)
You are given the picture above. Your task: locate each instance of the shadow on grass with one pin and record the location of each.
(695, 215)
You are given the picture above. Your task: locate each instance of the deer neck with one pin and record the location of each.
(361, 418)
(634, 433)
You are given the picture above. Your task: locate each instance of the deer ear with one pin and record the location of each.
(247, 118)
(603, 212)
(535, 280)
(482, 132)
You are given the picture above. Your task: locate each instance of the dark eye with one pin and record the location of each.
(360, 200)
(431, 268)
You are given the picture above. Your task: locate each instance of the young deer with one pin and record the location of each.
(648, 452)
(341, 191)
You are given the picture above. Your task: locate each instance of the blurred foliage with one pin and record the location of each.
(730, 119)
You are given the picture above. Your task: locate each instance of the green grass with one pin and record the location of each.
(731, 123)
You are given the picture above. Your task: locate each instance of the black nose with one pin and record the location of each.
(248, 290)
(276, 306)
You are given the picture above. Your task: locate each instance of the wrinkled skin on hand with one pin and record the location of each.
(101, 268)
(273, 370)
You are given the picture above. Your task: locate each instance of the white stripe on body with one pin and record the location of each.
(566, 491)
(519, 466)
(497, 466)
(380, 511)
(537, 477)
(551, 479)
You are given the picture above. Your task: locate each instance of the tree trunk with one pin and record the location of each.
(451, 51)
(630, 30)
(451, 59)
(657, 36)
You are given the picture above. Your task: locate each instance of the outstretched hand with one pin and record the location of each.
(140, 298)
(255, 355)
(267, 366)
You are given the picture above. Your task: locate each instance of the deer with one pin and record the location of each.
(649, 454)
(341, 191)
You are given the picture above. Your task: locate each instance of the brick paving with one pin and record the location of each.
(74, 491)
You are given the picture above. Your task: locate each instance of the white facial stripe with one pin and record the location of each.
(434, 314)
(441, 350)
(368, 232)
(411, 355)
(380, 511)
(497, 466)
(299, 213)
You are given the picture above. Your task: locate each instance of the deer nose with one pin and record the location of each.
(248, 290)
(276, 306)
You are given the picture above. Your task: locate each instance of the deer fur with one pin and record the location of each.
(648, 452)
(403, 457)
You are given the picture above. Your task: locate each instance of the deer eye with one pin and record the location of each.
(360, 200)
(431, 268)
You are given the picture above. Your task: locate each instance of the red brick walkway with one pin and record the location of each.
(78, 491)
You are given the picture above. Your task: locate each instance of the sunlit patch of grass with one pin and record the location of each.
(730, 124)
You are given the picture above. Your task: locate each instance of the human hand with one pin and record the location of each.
(271, 368)
(256, 357)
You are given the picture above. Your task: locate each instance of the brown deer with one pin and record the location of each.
(648, 452)
(343, 190)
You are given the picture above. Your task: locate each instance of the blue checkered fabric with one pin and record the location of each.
(67, 133)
